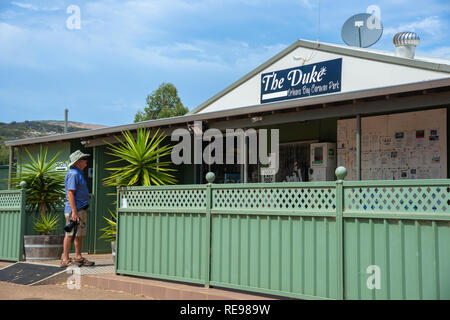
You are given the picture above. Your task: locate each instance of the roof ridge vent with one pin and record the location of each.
(405, 44)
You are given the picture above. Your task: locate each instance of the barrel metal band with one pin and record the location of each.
(43, 246)
(41, 258)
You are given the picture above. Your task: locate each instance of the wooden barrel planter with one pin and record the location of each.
(43, 247)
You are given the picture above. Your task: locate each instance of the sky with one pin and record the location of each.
(100, 59)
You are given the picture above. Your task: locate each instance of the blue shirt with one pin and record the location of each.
(75, 181)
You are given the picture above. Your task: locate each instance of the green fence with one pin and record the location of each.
(12, 224)
(329, 240)
(15, 222)
(403, 227)
(164, 233)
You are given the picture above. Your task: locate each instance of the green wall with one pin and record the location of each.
(103, 200)
(53, 149)
(4, 170)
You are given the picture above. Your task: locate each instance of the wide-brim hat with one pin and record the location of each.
(77, 155)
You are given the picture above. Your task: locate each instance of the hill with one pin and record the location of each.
(32, 129)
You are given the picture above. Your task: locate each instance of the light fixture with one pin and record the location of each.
(256, 119)
(196, 129)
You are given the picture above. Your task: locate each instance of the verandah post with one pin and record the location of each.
(116, 247)
(340, 172)
(207, 258)
(23, 199)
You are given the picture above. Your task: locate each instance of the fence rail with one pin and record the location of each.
(331, 240)
(12, 224)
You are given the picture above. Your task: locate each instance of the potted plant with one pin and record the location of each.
(44, 195)
(109, 232)
(46, 224)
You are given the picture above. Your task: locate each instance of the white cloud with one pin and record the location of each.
(309, 3)
(29, 6)
(441, 52)
(431, 25)
(128, 31)
(23, 5)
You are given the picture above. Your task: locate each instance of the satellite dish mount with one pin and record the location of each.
(362, 30)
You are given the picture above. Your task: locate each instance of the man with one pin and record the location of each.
(76, 207)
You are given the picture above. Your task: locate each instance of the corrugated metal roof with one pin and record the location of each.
(236, 112)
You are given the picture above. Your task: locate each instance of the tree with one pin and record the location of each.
(4, 155)
(162, 103)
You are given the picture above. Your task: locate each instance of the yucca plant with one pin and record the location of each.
(109, 232)
(46, 224)
(45, 189)
(138, 160)
(45, 186)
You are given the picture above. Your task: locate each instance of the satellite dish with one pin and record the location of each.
(362, 30)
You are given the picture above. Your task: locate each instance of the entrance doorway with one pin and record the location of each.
(294, 162)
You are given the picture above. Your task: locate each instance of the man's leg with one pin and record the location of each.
(78, 257)
(79, 239)
(78, 242)
(67, 240)
(66, 247)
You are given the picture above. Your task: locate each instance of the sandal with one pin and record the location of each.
(66, 263)
(84, 262)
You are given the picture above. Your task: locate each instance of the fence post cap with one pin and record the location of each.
(210, 176)
(23, 184)
(341, 173)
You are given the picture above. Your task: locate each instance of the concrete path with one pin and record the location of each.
(11, 291)
(101, 283)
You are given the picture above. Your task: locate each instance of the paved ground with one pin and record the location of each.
(101, 283)
(10, 291)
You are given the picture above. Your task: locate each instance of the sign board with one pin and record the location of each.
(61, 166)
(304, 81)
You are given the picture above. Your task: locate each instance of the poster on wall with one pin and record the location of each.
(399, 140)
(232, 178)
(420, 138)
(397, 146)
(386, 143)
(433, 138)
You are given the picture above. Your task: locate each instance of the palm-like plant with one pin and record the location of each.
(46, 224)
(139, 158)
(45, 189)
(45, 186)
(109, 232)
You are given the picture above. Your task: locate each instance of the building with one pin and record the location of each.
(383, 116)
